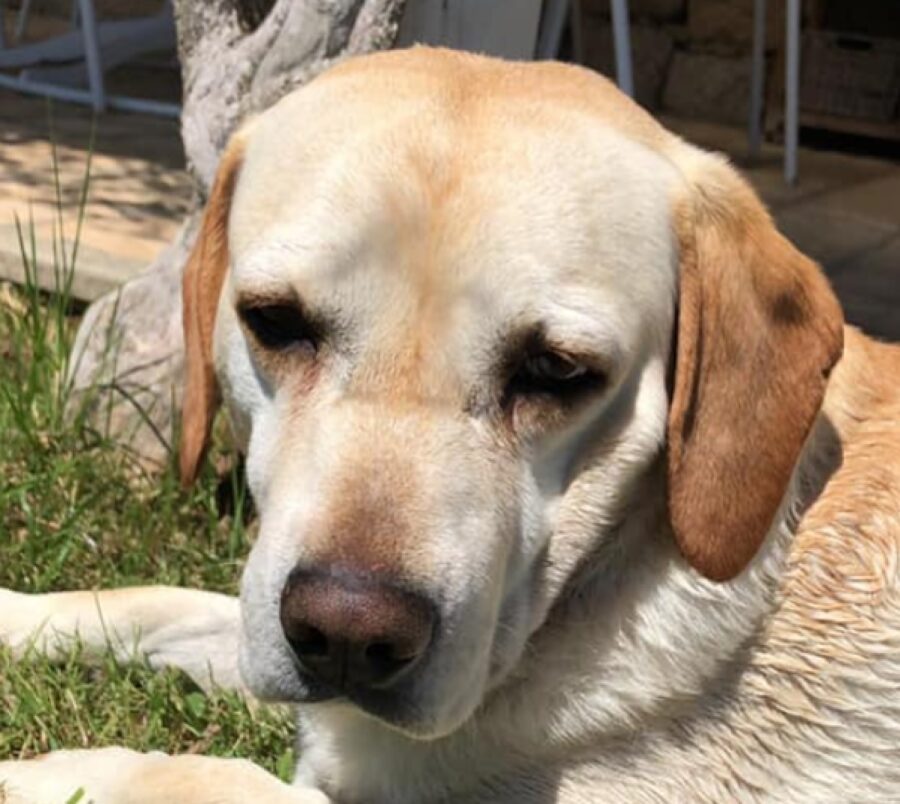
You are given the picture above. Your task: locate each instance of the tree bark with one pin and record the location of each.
(237, 57)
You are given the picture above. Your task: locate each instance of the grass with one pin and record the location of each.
(76, 511)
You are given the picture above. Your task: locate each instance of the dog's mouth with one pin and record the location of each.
(396, 706)
(416, 703)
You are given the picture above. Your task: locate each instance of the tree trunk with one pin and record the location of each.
(237, 57)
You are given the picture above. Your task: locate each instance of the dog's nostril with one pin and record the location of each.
(309, 641)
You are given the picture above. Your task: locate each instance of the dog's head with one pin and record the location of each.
(459, 310)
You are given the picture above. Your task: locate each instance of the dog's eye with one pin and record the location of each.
(549, 372)
(278, 326)
(552, 368)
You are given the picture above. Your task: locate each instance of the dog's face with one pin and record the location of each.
(445, 293)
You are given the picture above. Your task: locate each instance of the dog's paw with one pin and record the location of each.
(63, 776)
(21, 617)
(120, 776)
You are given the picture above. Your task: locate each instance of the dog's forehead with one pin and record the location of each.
(443, 174)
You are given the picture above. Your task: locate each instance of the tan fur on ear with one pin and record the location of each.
(204, 276)
(759, 330)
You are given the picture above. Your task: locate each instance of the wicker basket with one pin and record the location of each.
(850, 75)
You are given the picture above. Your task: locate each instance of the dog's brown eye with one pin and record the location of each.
(551, 367)
(278, 326)
(549, 372)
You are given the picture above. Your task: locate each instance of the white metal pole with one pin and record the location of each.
(553, 23)
(622, 40)
(92, 56)
(22, 21)
(757, 80)
(792, 92)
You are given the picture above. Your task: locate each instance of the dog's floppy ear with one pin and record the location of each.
(758, 332)
(202, 283)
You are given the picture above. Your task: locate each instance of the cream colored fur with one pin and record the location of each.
(586, 661)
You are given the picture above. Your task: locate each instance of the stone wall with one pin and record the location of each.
(691, 57)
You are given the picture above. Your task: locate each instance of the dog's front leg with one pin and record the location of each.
(169, 627)
(121, 776)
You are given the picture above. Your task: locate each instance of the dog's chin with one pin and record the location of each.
(413, 708)
(401, 709)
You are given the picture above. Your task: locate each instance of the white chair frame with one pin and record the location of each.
(54, 68)
(791, 85)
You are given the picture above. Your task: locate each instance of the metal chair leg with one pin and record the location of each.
(792, 92)
(757, 79)
(622, 41)
(22, 21)
(553, 23)
(92, 55)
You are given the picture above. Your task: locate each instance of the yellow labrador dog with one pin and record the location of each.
(573, 485)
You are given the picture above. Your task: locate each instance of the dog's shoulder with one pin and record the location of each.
(856, 514)
(828, 668)
(845, 553)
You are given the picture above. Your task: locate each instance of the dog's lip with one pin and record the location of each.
(316, 691)
(390, 706)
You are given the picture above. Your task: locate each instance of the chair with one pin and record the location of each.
(553, 26)
(61, 66)
(517, 29)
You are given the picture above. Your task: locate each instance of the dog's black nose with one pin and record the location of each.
(349, 630)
